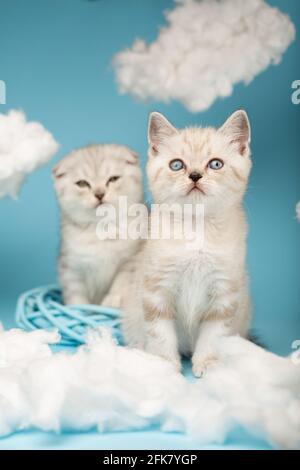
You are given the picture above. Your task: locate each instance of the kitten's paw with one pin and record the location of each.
(202, 363)
(113, 301)
(76, 300)
(176, 363)
(174, 360)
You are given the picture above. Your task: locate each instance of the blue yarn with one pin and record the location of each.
(43, 308)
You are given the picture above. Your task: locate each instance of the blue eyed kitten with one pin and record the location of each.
(184, 299)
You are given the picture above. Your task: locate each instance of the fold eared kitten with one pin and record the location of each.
(84, 180)
(184, 298)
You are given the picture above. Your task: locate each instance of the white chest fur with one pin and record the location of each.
(197, 278)
(193, 277)
(95, 261)
(194, 284)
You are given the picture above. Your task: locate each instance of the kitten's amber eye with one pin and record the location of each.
(215, 164)
(112, 179)
(83, 184)
(176, 165)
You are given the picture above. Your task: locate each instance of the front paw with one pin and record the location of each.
(176, 363)
(175, 360)
(112, 301)
(76, 300)
(202, 362)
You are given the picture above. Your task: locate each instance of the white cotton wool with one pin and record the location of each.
(298, 211)
(24, 146)
(204, 50)
(17, 350)
(108, 387)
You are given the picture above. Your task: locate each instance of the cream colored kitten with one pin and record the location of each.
(84, 180)
(185, 298)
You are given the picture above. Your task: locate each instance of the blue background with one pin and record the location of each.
(55, 57)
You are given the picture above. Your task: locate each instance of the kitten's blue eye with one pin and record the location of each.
(83, 184)
(176, 165)
(215, 164)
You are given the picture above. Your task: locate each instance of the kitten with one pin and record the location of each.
(186, 298)
(84, 180)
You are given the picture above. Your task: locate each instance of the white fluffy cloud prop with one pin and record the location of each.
(24, 146)
(206, 48)
(298, 210)
(114, 388)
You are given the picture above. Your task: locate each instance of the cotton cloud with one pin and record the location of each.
(298, 211)
(24, 146)
(110, 388)
(204, 50)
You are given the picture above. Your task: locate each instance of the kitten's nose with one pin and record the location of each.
(99, 196)
(195, 176)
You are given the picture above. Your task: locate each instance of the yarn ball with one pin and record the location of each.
(43, 308)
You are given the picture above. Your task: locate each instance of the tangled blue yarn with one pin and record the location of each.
(43, 308)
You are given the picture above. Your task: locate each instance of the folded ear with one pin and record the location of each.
(237, 128)
(159, 129)
(59, 170)
(132, 158)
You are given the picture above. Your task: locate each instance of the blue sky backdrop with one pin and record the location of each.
(55, 57)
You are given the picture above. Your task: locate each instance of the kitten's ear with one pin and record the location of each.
(58, 171)
(132, 158)
(159, 129)
(237, 127)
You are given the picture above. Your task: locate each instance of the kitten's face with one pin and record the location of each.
(197, 165)
(94, 176)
